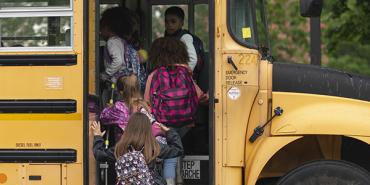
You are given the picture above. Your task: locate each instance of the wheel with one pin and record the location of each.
(327, 173)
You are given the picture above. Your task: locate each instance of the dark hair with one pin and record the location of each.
(175, 10)
(121, 21)
(166, 51)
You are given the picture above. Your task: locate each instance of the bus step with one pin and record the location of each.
(195, 169)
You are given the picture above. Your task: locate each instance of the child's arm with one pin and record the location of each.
(174, 147)
(187, 39)
(116, 52)
(99, 148)
(100, 152)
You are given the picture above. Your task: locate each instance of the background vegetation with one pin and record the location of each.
(345, 34)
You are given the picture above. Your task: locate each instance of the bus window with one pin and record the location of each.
(104, 7)
(201, 20)
(35, 31)
(240, 17)
(34, 3)
(36, 23)
(158, 19)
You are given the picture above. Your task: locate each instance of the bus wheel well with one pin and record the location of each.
(355, 151)
(312, 148)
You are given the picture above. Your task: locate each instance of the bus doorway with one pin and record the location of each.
(195, 165)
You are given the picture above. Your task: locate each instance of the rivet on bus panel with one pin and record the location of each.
(260, 101)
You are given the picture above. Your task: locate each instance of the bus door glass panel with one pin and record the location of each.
(158, 26)
(201, 21)
(261, 21)
(240, 21)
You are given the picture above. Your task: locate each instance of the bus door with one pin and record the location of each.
(151, 13)
(195, 165)
(41, 92)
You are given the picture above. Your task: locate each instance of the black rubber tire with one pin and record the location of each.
(326, 172)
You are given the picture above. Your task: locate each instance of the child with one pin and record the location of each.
(171, 91)
(118, 27)
(140, 105)
(174, 21)
(171, 53)
(131, 102)
(138, 142)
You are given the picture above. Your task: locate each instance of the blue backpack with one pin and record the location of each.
(132, 57)
(132, 62)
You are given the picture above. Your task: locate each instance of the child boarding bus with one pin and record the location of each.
(266, 122)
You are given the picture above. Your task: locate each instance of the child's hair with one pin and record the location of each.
(129, 88)
(167, 51)
(121, 21)
(138, 134)
(175, 10)
(139, 102)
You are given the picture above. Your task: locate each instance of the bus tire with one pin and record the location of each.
(326, 172)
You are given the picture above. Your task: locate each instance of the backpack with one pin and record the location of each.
(199, 49)
(132, 62)
(132, 56)
(117, 115)
(131, 168)
(173, 96)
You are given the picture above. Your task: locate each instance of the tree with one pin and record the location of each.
(289, 32)
(347, 35)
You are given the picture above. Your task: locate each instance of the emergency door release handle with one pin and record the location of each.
(230, 61)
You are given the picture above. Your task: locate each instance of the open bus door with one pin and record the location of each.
(195, 165)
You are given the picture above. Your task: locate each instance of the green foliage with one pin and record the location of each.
(345, 34)
(352, 57)
(288, 31)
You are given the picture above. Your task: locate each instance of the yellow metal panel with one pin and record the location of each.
(42, 134)
(235, 125)
(264, 149)
(39, 131)
(74, 174)
(237, 106)
(92, 44)
(232, 175)
(49, 174)
(13, 173)
(32, 82)
(319, 114)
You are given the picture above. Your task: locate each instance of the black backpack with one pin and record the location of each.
(199, 49)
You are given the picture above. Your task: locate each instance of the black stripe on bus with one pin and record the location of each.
(38, 60)
(38, 155)
(38, 106)
(301, 78)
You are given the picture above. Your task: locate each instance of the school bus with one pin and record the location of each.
(266, 123)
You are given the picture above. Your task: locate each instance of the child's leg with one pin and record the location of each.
(169, 170)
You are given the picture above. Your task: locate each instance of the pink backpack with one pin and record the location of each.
(119, 114)
(173, 96)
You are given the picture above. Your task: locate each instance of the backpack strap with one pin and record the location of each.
(132, 149)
